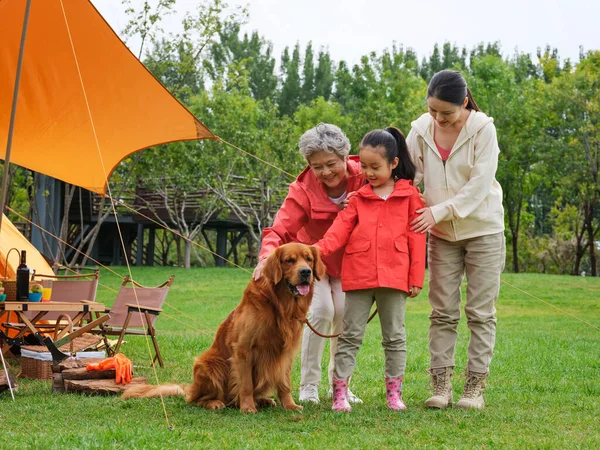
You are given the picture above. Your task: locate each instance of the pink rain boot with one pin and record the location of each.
(393, 387)
(340, 396)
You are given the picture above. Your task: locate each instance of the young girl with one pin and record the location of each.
(384, 260)
(455, 150)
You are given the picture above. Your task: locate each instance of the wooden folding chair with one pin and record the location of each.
(134, 312)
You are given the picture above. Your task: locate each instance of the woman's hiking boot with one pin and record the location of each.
(442, 388)
(472, 397)
(393, 394)
(340, 396)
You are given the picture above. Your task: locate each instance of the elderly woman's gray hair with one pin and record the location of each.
(324, 137)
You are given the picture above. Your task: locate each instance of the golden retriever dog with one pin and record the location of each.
(254, 348)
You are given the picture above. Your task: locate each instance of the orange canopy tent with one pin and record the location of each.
(74, 101)
(76, 73)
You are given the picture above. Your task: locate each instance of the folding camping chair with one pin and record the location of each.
(69, 288)
(134, 312)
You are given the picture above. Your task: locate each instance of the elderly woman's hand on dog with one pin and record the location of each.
(258, 269)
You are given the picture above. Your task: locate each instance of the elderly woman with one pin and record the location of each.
(308, 211)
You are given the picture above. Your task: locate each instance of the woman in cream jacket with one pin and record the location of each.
(455, 151)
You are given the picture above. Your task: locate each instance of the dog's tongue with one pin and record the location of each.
(303, 289)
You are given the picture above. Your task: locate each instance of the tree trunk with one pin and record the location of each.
(64, 227)
(252, 256)
(515, 251)
(188, 253)
(178, 243)
(589, 224)
(579, 252)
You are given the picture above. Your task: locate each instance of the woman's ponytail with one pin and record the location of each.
(471, 102)
(450, 86)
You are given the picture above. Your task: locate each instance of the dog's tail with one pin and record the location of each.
(147, 390)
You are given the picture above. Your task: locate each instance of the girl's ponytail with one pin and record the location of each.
(405, 170)
(392, 140)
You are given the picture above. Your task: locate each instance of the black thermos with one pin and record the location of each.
(23, 278)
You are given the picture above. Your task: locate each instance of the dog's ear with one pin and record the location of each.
(272, 268)
(319, 268)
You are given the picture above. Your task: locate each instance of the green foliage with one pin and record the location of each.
(290, 95)
(20, 183)
(324, 76)
(252, 53)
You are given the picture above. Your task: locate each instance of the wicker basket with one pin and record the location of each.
(10, 289)
(36, 369)
(36, 360)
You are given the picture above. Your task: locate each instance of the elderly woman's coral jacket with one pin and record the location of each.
(381, 249)
(307, 213)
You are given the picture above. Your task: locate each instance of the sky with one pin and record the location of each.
(350, 29)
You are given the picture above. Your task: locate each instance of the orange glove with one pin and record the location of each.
(122, 365)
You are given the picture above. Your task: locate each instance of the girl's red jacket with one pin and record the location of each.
(381, 249)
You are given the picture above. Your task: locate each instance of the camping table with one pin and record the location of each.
(43, 308)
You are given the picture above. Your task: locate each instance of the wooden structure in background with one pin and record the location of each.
(228, 230)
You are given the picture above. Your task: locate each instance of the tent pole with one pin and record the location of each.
(11, 126)
(13, 112)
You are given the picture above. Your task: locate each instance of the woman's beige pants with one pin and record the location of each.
(482, 260)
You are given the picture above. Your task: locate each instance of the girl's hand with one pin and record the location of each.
(258, 269)
(424, 222)
(414, 291)
(344, 203)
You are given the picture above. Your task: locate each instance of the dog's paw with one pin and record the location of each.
(265, 402)
(293, 407)
(248, 409)
(214, 405)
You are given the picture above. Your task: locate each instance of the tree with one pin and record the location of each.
(145, 21)
(252, 53)
(183, 189)
(308, 76)
(576, 95)
(324, 76)
(517, 113)
(257, 187)
(290, 95)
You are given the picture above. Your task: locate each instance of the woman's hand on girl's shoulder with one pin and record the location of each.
(414, 291)
(424, 222)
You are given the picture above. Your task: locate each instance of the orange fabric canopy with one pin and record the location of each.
(53, 132)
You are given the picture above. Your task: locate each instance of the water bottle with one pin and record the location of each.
(23, 278)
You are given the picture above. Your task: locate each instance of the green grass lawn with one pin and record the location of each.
(543, 392)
